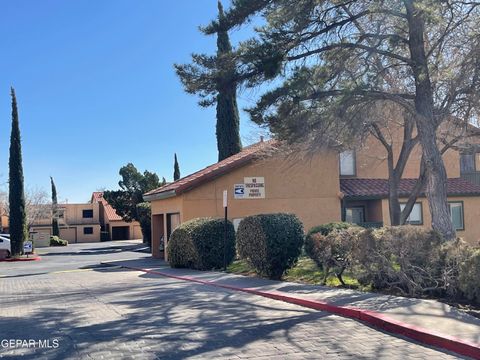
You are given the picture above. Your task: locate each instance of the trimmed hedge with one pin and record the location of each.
(198, 244)
(410, 260)
(469, 275)
(270, 243)
(56, 241)
(326, 229)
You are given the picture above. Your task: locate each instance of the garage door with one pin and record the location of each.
(120, 233)
(69, 234)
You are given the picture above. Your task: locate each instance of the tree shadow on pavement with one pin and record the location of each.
(121, 315)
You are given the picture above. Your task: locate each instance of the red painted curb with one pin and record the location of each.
(36, 258)
(373, 318)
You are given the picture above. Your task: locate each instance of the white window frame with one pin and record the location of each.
(414, 222)
(343, 156)
(450, 203)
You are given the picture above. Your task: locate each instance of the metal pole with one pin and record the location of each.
(225, 241)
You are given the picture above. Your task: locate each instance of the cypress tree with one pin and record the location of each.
(176, 169)
(228, 119)
(55, 228)
(16, 196)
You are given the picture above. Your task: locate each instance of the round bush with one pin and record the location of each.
(311, 240)
(199, 243)
(56, 241)
(271, 243)
(469, 276)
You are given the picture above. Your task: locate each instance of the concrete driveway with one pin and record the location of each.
(68, 307)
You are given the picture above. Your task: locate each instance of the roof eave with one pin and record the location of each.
(159, 196)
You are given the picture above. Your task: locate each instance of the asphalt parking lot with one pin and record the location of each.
(74, 308)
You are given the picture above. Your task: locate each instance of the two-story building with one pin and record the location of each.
(77, 222)
(320, 188)
(90, 222)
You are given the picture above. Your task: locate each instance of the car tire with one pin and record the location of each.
(8, 254)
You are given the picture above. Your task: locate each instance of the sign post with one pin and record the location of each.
(27, 247)
(225, 206)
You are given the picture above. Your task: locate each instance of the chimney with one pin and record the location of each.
(261, 138)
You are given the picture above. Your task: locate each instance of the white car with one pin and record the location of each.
(5, 244)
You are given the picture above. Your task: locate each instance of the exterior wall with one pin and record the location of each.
(73, 223)
(371, 159)
(471, 214)
(135, 231)
(73, 214)
(306, 187)
(373, 209)
(85, 238)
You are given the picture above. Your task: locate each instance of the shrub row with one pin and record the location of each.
(407, 259)
(270, 243)
(199, 243)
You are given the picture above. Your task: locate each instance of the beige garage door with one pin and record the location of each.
(69, 234)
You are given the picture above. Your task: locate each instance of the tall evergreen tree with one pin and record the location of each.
(214, 80)
(228, 119)
(176, 169)
(16, 196)
(55, 228)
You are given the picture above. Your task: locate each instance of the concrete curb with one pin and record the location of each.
(35, 258)
(373, 318)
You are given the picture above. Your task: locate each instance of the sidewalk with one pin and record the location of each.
(429, 316)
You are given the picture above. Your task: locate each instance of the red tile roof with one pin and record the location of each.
(110, 213)
(378, 188)
(210, 172)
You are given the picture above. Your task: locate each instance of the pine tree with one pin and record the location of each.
(16, 196)
(55, 228)
(176, 169)
(228, 119)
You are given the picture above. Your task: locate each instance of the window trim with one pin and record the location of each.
(87, 227)
(354, 156)
(87, 217)
(364, 211)
(463, 213)
(421, 214)
(474, 155)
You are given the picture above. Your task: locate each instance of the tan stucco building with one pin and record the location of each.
(90, 222)
(351, 186)
(77, 222)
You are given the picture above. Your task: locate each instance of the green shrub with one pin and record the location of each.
(333, 252)
(56, 241)
(199, 243)
(469, 275)
(270, 243)
(326, 229)
(405, 258)
(311, 245)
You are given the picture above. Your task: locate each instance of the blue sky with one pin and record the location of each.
(96, 89)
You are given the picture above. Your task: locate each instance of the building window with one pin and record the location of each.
(355, 215)
(467, 163)
(87, 230)
(347, 163)
(456, 214)
(416, 215)
(87, 214)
